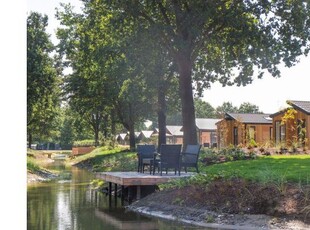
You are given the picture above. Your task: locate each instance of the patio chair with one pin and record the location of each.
(169, 157)
(145, 156)
(190, 157)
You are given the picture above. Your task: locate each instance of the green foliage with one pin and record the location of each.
(203, 109)
(32, 165)
(226, 107)
(247, 107)
(43, 91)
(97, 184)
(201, 179)
(84, 143)
(231, 153)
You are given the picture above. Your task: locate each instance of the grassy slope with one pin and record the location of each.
(291, 168)
(101, 159)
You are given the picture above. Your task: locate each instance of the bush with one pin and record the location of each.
(32, 165)
(84, 143)
(210, 156)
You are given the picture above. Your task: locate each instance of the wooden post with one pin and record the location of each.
(122, 195)
(115, 194)
(138, 192)
(110, 194)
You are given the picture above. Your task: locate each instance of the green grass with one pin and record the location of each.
(32, 165)
(102, 159)
(289, 168)
(96, 155)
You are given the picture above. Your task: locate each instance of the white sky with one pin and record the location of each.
(269, 94)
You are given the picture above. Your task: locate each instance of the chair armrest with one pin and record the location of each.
(185, 153)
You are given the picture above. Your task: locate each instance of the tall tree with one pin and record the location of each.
(210, 40)
(204, 109)
(226, 107)
(247, 107)
(87, 87)
(43, 94)
(103, 80)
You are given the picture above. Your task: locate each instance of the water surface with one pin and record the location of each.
(70, 203)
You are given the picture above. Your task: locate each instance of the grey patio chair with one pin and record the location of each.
(145, 156)
(190, 157)
(169, 157)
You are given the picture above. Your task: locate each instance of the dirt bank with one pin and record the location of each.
(234, 205)
(39, 176)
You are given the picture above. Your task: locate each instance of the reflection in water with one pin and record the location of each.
(72, 204)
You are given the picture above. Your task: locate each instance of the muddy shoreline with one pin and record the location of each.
(203, 217)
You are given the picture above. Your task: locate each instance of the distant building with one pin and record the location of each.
(174, 134)
(207, 131)
(122, 139)
(145, 136)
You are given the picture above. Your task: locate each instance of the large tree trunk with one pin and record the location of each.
(187, 100)
(132, 138)
(95, 123)
(29, 140)
(161, 113)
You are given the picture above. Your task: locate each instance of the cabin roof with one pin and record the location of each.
(174, 130)
(147, 133)
(250, 118)
(206, 123)
(303, 106)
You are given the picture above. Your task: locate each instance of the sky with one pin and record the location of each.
(269, 94)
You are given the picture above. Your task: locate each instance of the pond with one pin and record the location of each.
(70, 203)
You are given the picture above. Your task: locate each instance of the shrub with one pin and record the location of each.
(32, 165)
(84, 143)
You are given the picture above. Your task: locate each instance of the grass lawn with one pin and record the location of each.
(285, 168)
(103, 160)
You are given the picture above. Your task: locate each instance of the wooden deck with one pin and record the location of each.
(135, 178)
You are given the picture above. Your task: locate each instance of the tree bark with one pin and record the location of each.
(29, 140)
(132, 138)
(161, 114)
(187, 100)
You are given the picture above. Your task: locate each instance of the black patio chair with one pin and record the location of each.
(145, 156)
(190, 157)
(169, 157)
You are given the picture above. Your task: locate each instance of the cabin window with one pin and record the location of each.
(301, 131)
(278, 140)
(280, 132)
(213, 138)
(252, 133)
(235, 136)
(270, 133)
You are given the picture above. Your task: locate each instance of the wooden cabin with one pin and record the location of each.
(174, 134)
(122, 138)
(243, 129)
(206, 129)
(291, 126)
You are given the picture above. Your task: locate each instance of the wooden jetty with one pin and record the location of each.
(138, 180)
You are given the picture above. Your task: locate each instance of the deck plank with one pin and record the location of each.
(135, 178)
